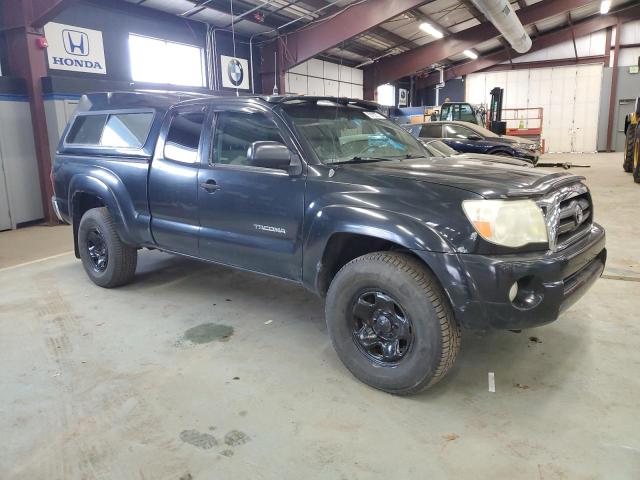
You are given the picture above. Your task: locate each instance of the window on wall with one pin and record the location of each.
(387, 95)
(160, 61)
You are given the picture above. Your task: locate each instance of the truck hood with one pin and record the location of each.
(513, 161)
(489, 179)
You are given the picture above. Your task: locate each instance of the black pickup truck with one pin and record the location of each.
(330, 194)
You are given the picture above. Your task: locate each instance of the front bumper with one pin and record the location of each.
(529, 155)
(548, 283)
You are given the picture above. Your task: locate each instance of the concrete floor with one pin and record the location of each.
(116, 384)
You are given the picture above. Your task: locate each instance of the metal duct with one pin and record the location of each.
(500, 13)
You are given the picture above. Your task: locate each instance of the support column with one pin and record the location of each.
(614, 86)
(28, 61)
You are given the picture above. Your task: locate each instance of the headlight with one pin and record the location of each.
(511, 223)
(526, 146)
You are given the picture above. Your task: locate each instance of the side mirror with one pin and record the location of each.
(273, 155)
(474, 137)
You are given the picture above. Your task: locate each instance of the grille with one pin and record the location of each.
(574, 218)
(569, 215)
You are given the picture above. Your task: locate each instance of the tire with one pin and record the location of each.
(636, 157)
(97, 237)
(627, 164)
(430, 350)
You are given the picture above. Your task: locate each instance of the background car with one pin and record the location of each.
(439, 149)
(467, 137)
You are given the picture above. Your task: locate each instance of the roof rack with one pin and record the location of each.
(340, 100)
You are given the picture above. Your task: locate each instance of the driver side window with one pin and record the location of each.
(236, 131)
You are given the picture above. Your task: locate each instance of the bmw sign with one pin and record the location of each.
(234, 72)
(74, 48)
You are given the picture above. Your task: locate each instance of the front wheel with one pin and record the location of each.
(627, 164)
(391, 324)
(107, 260)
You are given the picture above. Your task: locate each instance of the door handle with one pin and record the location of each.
(210, 186)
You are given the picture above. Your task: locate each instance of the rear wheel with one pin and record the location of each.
(391, 324)
(627, 164)
(107, 260)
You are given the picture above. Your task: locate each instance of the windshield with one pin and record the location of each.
(440, 149)
(342, 133)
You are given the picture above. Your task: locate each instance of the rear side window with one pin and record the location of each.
(184, 137)
(431, 131)
(128, 130)
(87, 130)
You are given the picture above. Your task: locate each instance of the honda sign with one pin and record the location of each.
(75, 49)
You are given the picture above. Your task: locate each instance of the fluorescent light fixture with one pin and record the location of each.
(431, 30)
(471, 54)
(605, 5)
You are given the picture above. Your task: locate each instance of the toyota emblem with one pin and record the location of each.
(578, 214)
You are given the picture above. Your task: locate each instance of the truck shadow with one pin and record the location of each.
(530, 361)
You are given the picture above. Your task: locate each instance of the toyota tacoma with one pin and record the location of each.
(329, 193)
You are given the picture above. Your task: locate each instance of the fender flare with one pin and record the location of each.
(122, 212)
(401, 229)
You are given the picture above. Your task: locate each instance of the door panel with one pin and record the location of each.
(173, 183)
(253, 219)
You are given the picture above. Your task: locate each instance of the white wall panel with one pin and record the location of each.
(585, 132)
(630, 33)
(569, 97)
(19, 160)
(628, 57)
(317, 77)
(315, 86)
(298, 84)
(356, 76)
(315, 68)
(344, 89)
(331, 70)
(331, 88)
(301, 69)
(345, 74)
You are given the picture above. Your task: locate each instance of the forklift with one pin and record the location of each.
(631, 163)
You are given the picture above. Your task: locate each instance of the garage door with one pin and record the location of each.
(569, 97)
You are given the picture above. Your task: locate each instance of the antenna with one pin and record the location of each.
(233, 39)
(275, 71)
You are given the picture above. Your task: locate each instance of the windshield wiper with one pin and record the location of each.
(358, 159)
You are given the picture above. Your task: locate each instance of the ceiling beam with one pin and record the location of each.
(46, 10)
(545, 40)
(501, 67)
(378, 31)
(308, 42)
(404, 64)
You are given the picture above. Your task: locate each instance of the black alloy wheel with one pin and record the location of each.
(381, 329)
(97, 250)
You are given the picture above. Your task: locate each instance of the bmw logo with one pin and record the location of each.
(235, 72)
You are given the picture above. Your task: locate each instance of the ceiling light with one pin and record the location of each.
(604, 7)
(471, 54)
(431, 30)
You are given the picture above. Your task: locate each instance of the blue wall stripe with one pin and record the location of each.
(13, 97)
(61, 96)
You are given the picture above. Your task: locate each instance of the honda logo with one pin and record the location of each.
(76, 43)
